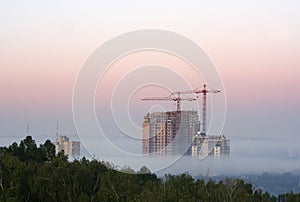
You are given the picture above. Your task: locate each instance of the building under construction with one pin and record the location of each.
(178, 132)
(169, 133)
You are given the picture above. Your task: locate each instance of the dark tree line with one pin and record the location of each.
(31, 173)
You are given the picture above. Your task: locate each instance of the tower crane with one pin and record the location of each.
(172, 97)
(203, 91)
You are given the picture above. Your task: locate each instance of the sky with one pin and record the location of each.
(255, 46)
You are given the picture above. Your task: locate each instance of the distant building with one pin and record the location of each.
(210, 145)
(74, 148)
(62, 144)
(169, 133)
(70, 148)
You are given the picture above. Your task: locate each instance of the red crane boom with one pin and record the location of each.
(177, 99)
(203, 91)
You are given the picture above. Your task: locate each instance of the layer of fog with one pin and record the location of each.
(248, 156)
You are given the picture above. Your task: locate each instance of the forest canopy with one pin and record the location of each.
(33, 173)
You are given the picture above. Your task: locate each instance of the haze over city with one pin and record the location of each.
(254, 45)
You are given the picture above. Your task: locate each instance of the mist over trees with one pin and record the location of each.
(33, 173)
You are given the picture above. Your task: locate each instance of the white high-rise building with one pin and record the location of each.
(210, 145)
(70, 148)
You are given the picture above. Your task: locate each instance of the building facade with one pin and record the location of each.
(210, 145)
(70, 148)
(169, 133)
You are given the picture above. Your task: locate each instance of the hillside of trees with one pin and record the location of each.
(33, 173)
(274, 183)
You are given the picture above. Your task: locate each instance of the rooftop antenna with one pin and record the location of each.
(57, 130)
(27, 130)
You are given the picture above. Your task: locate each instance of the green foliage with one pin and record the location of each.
(31, 173)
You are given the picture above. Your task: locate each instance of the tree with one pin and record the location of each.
(31, 173)
(48, 150)
(144, 170)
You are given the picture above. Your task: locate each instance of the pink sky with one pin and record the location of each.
(254, 44)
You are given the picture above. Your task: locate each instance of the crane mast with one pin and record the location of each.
(203, 91)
